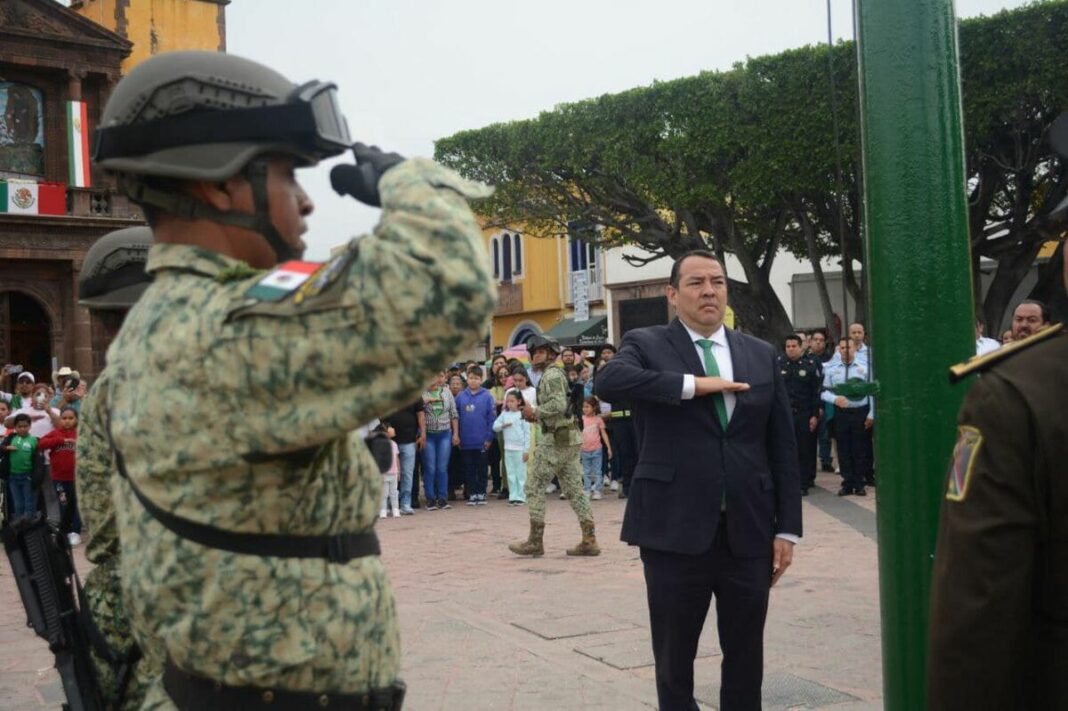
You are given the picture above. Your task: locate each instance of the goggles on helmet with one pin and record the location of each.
(310, 119)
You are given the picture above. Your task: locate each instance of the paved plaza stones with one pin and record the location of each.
(485, 630)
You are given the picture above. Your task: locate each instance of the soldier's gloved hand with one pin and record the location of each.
(361, 180)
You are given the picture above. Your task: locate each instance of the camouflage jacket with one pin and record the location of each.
(209, 393)
(552, 409)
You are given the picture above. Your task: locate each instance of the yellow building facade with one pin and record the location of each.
(534, 276)
(156, 26)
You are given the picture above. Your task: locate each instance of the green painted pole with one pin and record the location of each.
(920, 297)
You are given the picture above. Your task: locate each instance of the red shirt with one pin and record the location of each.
(62, 443)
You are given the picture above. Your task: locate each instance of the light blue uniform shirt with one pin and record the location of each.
(836, 373)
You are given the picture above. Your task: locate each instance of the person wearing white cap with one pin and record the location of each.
(24, 383)
(70, 389)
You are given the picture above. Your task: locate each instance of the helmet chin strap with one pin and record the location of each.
(189, 207)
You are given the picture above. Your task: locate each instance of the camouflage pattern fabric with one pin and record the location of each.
(236, 413)
(556, 452)
(102, 588)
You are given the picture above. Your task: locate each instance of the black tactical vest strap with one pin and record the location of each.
(338, 548)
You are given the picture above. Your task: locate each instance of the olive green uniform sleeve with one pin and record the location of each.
(981, 598)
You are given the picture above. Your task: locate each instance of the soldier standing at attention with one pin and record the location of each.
(111, 281)
(245, 506)
(999, 592)
(803, 376)
(556, 453)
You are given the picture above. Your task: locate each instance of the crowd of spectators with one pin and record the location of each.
(465, 438)
(38, 435)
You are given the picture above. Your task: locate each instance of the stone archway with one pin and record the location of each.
(27, 333)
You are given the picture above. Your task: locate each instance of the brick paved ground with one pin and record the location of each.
(483, 629)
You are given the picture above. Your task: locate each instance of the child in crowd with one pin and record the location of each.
(477, 411)
(62, 442)
(516, 433)
(390, 477)
(593, 435)
(21, 451)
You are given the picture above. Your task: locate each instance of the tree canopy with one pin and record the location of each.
(745, 161)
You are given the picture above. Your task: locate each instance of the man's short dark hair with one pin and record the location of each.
(606, 347)
(21, 417)
(677, 266)
(792, 337)
(1034, 302)
(476, 370)
(821, 331)
(844, 339)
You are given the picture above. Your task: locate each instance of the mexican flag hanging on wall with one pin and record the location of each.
(27, 197)
(78, 144)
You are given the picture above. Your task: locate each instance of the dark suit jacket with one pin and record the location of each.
(685, 458)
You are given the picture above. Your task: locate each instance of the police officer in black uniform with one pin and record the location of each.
(803, 376)
(621, 434)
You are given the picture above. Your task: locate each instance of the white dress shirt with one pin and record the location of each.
(721, 351)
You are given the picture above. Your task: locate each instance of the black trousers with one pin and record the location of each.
(680, 588)
(806, 449)
(624, 451)
(854, 448)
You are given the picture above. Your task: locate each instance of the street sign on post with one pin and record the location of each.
(580, 295)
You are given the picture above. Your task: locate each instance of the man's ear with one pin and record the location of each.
(219, 195)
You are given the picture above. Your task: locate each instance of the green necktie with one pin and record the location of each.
(711, 368)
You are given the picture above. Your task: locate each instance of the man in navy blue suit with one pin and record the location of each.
(715, 498)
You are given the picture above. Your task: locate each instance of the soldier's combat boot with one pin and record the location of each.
(588, 546)
(533, 545)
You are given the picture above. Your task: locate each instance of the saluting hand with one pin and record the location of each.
(782, 556)
(708, 384)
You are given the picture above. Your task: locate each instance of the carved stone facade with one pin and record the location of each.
(41, 255)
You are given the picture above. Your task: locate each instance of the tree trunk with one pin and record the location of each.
(817, 270)
(1012, 268)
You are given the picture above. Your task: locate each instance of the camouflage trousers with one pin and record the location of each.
(562, 462)
(104, 597)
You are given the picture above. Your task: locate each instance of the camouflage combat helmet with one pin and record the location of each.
(210, 116)
(536, 342)
(113, 274)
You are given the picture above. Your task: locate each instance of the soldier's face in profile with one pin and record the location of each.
(286, 199)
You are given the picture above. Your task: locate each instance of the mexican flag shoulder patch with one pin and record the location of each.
(282, 281)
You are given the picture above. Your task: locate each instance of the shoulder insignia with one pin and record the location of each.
(281, 281)
(324, 276)
(969, 442)
(237, 272)
(978, 364)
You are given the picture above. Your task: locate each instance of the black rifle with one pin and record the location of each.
(51, 592)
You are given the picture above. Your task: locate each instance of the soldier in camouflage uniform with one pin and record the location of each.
(110, 282)
(245, 505)
(555, 454)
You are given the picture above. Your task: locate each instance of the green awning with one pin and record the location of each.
(591, 332)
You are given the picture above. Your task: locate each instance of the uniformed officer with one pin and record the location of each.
(852, 419)
(556, 453)
(803, 377)
(245, 505)
(112, 279)
(999, 594)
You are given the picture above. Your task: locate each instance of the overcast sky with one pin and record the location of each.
(412, 71)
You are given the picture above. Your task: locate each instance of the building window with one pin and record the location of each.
(21, 131)
(517, 254)
(496, 257)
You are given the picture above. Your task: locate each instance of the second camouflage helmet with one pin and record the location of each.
(536, 342)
